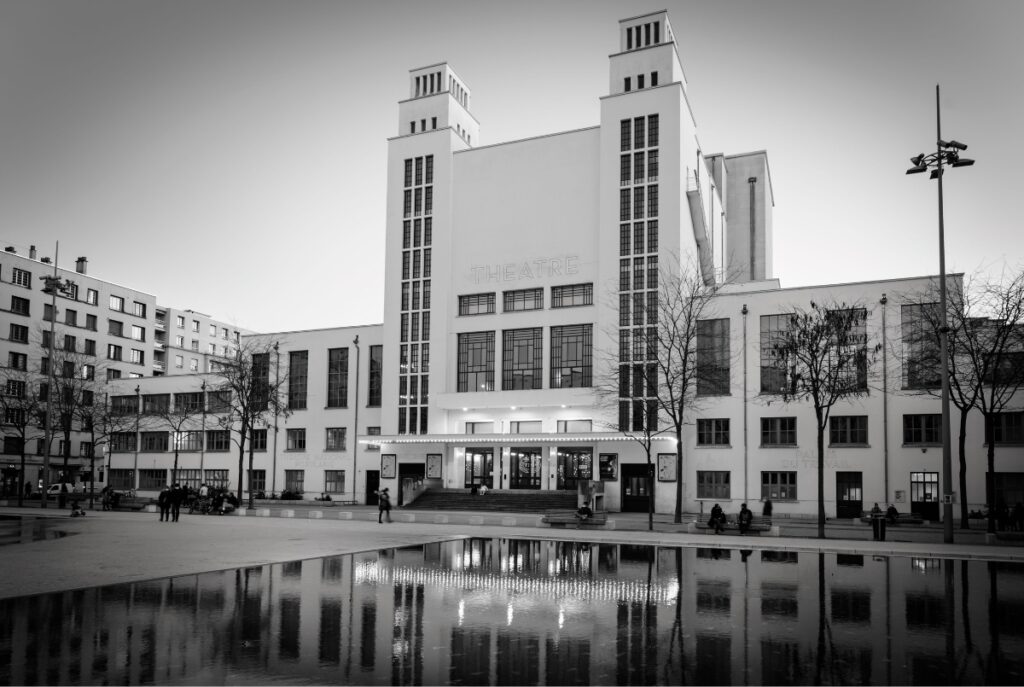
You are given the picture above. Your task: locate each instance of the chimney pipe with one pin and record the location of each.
(10, 249)
(32, 252)
(80, 265)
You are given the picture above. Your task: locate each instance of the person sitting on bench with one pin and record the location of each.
(717, 519)
(891, 514)
(584, 512)
(746, 517)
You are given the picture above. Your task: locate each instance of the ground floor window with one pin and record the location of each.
(713, 484)
(295, 481)
(924, 486)
(479, 467)
(122, 479)
(527, 467)
(334, 481)
(778, 486)
(152, 479)
(190, 478)
(574, 464)
(217, 478)
(257, 480)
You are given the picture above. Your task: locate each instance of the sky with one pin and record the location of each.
(229, 156)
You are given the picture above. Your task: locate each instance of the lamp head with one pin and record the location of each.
(935, 174)
(917, 170)
(917, 160)
(956, 144)
(963, 162)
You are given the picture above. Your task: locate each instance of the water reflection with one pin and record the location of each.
(18, 530)
(509, 611)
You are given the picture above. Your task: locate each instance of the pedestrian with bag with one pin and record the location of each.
(383, 505)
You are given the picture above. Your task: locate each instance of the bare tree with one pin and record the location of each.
(22, 408)
(821, 355)
(178, 416)
(986, 361)
(251, 396)
(101, 423)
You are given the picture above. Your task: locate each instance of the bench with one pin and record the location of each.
(561, 518)
(901, 519)
(758, 524)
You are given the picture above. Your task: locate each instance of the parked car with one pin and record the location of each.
(53, 491)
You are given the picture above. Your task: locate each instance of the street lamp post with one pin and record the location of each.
(52, 283)
(947, 152)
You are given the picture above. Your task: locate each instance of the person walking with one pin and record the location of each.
(766, 511)
(383, 505)
(177, 497)
(163, 502)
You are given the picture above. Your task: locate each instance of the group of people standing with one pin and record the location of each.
(169, 502)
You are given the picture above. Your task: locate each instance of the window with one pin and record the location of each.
(522, 359)
(190, 477)
(476, 304)
(191, 402)
(21, 277)
(334, 481)
(574, 426)
(922, 429)
(179, 361)
(920, 339)
(90, 322)
(571, 350)
(20, 306)
(625, 133)
(193, 365)
(195, 326)
(652, 130)
(17, 361)
(1008, 428)
(117, 303)
(523, 299)
(640, 81)
(121, 442)
(654, 77)
(713, 484)
(188, 441)
(778, 486)
(296, 440)
(713, 357)
(18, 333)
(298, 369)
(572, 295)
(337, 378)
(179, 321)
(525, 427)
(155, 441)
(113, 352)
(138, 333)
(374, 432)
(774, 370)
(88, 372)
(70, 343)
(119, 478)
(138, 357)
(216, 478)
(335, 439)
(848, 430)
(115, 328)
(476, 361)
(213, 330)
(153, 404)
(778, 431)
(295, 481)
(375, 376)
(258, 440)
(138, 309)
(218, 439)
(713, 432)
(16, 388)
(628, 84)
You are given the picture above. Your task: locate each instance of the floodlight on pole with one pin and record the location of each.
(946, 153)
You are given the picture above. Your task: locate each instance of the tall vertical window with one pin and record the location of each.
(571, 352)
(626, 135)
(375, 376)
(476, 361)
(920, 337)
(774, 369)
(522, 359)
(337, 378)
(713, 357)
(298, 379)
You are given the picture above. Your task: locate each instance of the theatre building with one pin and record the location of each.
(519, 274)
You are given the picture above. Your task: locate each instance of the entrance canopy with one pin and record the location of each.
(491, 439)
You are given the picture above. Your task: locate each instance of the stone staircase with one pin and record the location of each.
(507, 501)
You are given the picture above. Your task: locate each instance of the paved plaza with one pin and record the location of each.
(114, 547)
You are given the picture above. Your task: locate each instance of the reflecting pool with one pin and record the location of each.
(522, 612)
(18, 530)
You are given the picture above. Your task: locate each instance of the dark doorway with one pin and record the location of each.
(849, 494)
(635, 496)
(408, 475)
(924, 495)
(372, 485)
(526, 468)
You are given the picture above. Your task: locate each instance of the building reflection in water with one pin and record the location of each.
(521, 612)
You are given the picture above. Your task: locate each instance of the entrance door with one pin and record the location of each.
(408, 475)
(849, 494)
(372, 485)
(924, 494)
(635, 497)
(526, 468)
(479, 467)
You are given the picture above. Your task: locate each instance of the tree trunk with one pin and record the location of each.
(993, 504)
(678, 518)
(821, 475)
(243, 433)
(961, 445)
(252, 496)
(21, 478)
(174, 471)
